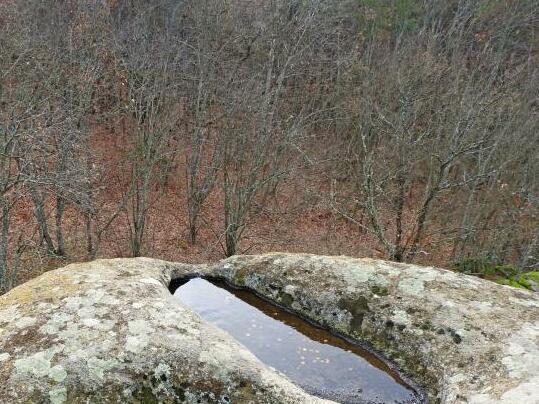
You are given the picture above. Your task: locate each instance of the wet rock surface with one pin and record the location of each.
(110, 331)
(311, 357)
(465, 339)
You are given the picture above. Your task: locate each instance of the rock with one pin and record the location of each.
(110, 331)
(467, 340)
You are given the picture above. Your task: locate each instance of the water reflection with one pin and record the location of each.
(321, 363)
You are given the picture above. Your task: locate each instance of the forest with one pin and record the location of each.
(192, 130)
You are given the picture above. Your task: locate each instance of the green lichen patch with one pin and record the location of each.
(286, 299)
(532, 275)
(500, 273)
(40, 365)
(97, 367)
(58, 395)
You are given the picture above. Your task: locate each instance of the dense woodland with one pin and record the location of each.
(197, 129)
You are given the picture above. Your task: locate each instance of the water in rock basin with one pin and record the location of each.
(321, 363)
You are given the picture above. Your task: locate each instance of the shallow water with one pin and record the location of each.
(318, 361)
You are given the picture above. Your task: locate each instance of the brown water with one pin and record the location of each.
(321, 363)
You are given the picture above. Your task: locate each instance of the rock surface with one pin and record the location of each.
(110, 331)
(466, 339)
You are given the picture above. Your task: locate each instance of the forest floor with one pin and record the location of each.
(298, 218)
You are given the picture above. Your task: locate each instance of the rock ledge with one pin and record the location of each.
(110, 331)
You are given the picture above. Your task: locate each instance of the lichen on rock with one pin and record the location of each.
(110, 331)
(465, 339)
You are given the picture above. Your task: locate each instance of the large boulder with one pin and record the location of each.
(110, 331)
(467, 340)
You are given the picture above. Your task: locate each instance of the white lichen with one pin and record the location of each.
(400, 317)
(25, 322)
(58, 395)
(97, 367)
(150, 281)
(39, 364)
(521, 352)
(414, 284)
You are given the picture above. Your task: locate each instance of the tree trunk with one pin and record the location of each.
(60, 208)
(231, 239)
(39, 211)
(4, 243)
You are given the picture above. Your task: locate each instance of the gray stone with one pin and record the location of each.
(110, 331)
(467, 340)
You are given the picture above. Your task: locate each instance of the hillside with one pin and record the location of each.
(194, 130)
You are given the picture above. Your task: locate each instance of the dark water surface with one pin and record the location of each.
(313, 358)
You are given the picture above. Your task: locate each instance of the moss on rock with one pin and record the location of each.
(435, 324)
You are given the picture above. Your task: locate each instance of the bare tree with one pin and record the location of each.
(261, 124)
(205, 77)
(64, 74)
(148, 71)
(429, 124)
